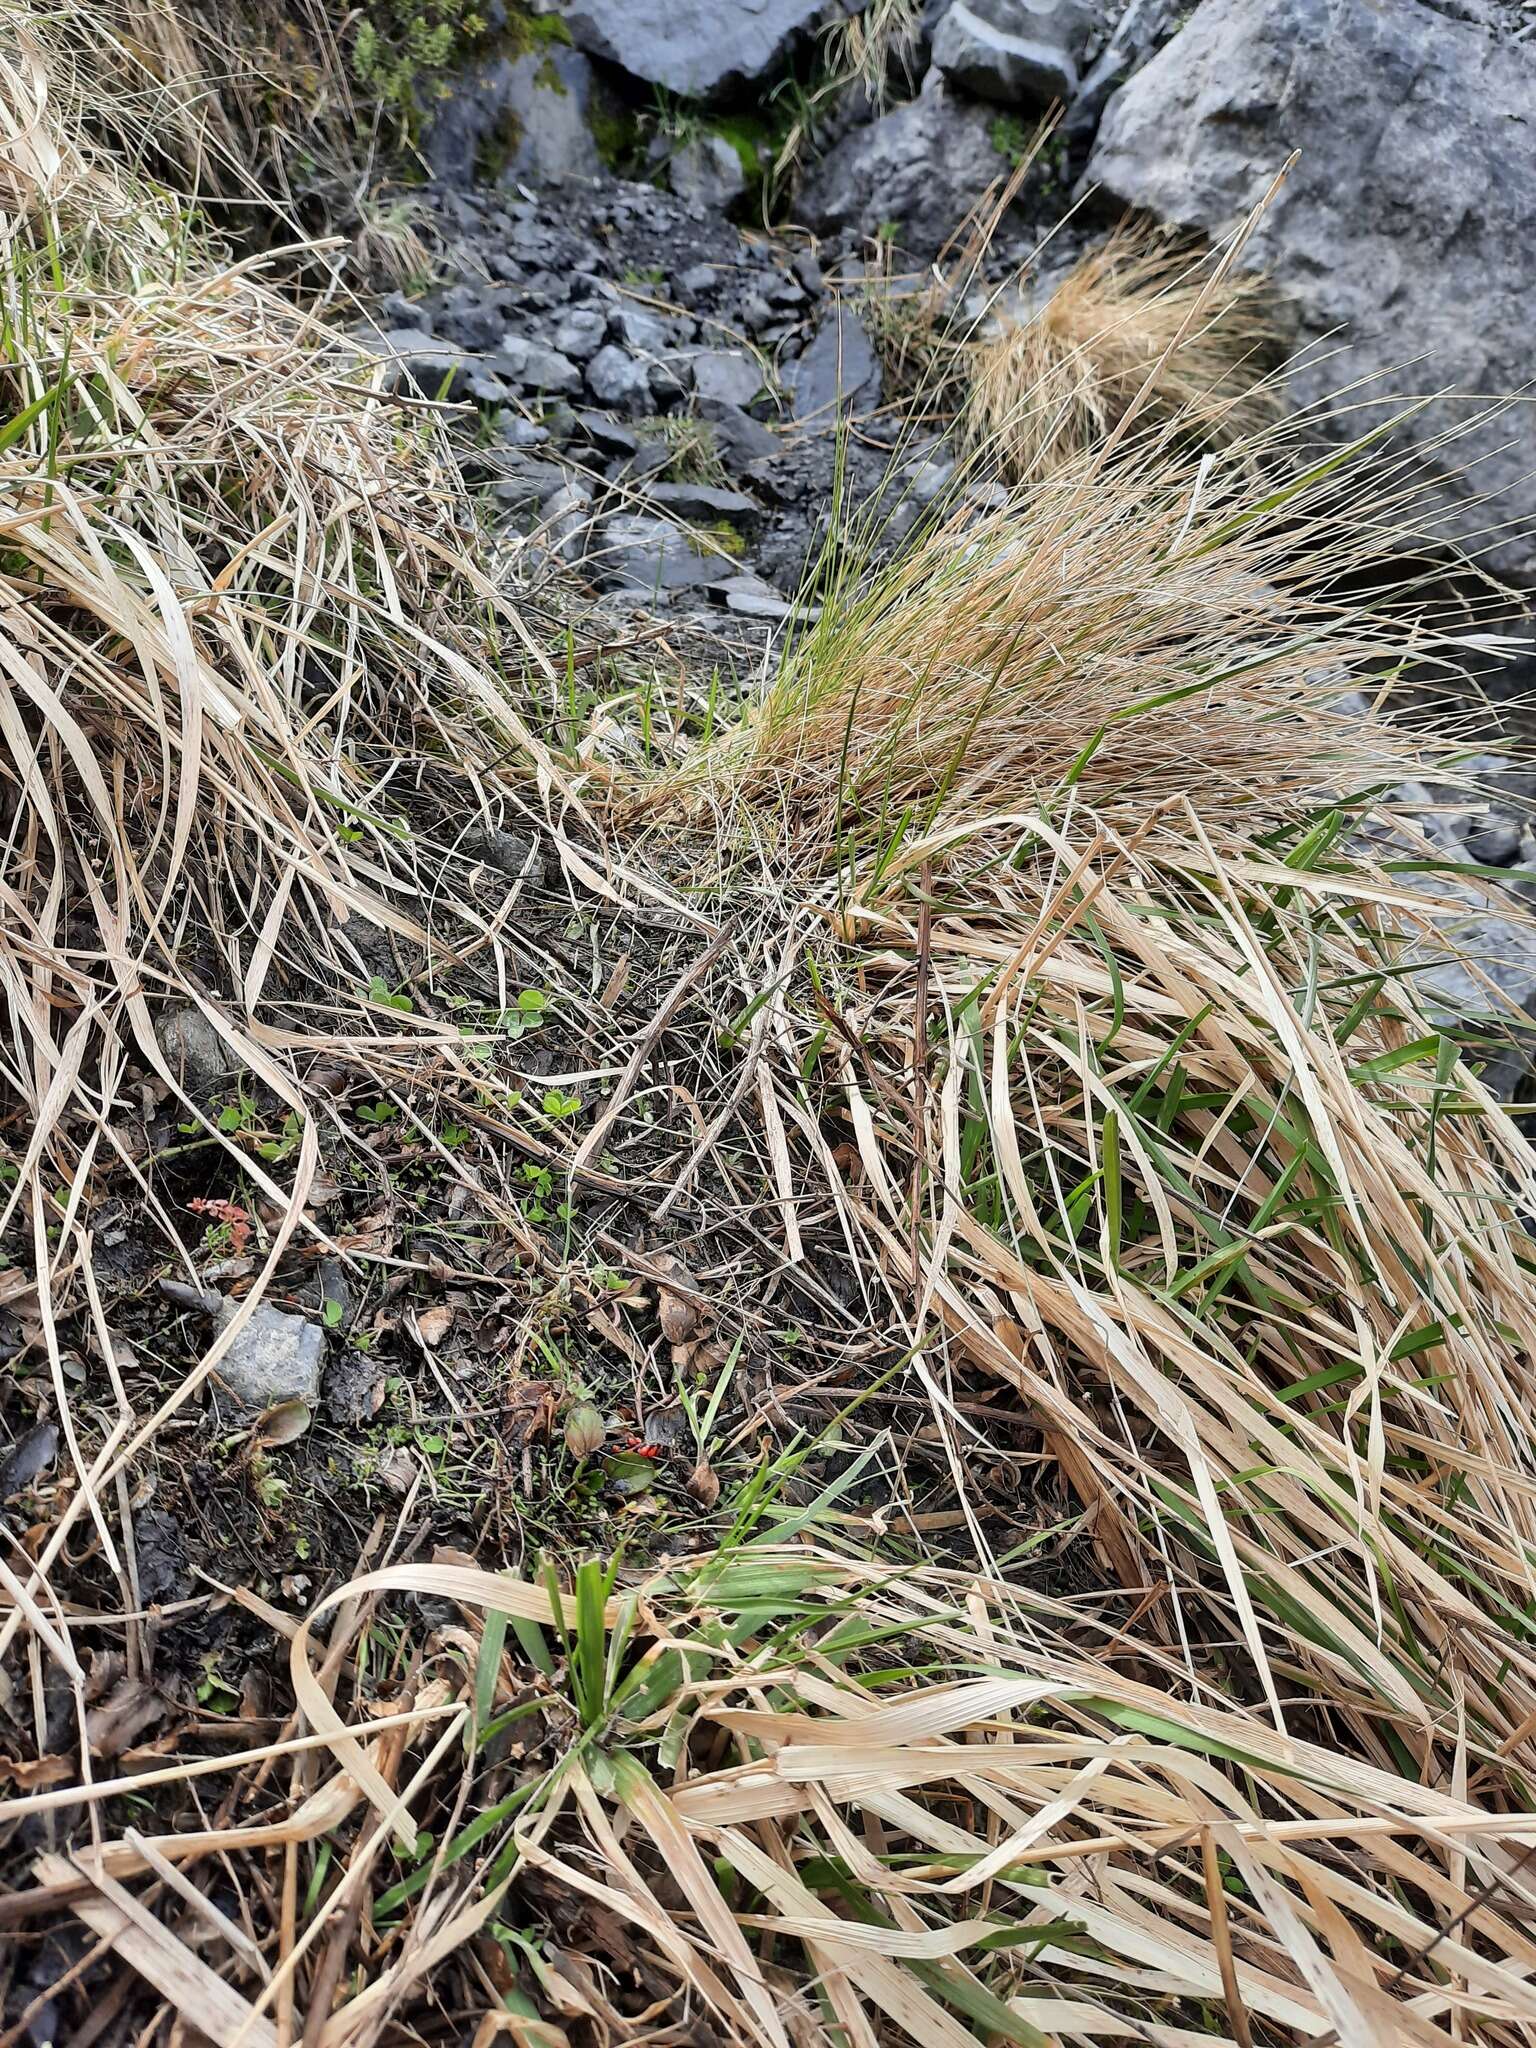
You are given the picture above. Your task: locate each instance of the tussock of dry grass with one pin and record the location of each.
(1120, 637)
(1137, 322)
(250, 102)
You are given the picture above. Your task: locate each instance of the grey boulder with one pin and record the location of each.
(1016, 52)
(692, 47)
(923, 166)
(516, 118)
(1406, 232)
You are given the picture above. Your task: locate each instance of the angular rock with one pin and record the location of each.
(615, 378)
(517, 432)
(839, 373)
(566, 516)
(414, 357)
(707, 172)
(930, 480)
(527, 484)
(1493, 841)
(702, 503)
(697, 279)
(607, 433)
(651, 459)
(808, 271)
(692, 47)
(1408, 225)
(28, 1458)
(645, 332)
(739, 439)
(516, 118)
(923, 165)
(729, 375)
(276, 1357)
(1014, 52)
(651, 556)
(580, 334)
(469, 315)
(755, 601)
(533, 367)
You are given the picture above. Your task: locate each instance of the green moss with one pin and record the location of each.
(496, 150)
(526, 31)
(548, 77)
(749, 136)
(406, 53)
(720, 538)
(1010, 137)
(615, 131)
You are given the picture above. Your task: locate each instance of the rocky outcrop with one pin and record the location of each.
(693, 47)
(1406, 230)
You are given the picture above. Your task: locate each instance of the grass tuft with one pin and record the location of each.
(1137, 322)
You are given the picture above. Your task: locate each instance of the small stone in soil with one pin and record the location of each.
(28, 1458)
(194, 1051)
(276, 1357)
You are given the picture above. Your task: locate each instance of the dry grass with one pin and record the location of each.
(246, 656)
(1111, 1059)
(1139, 321)
(248, 104)
(780, 1827)
(1122, 636)
(1080, 1012)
